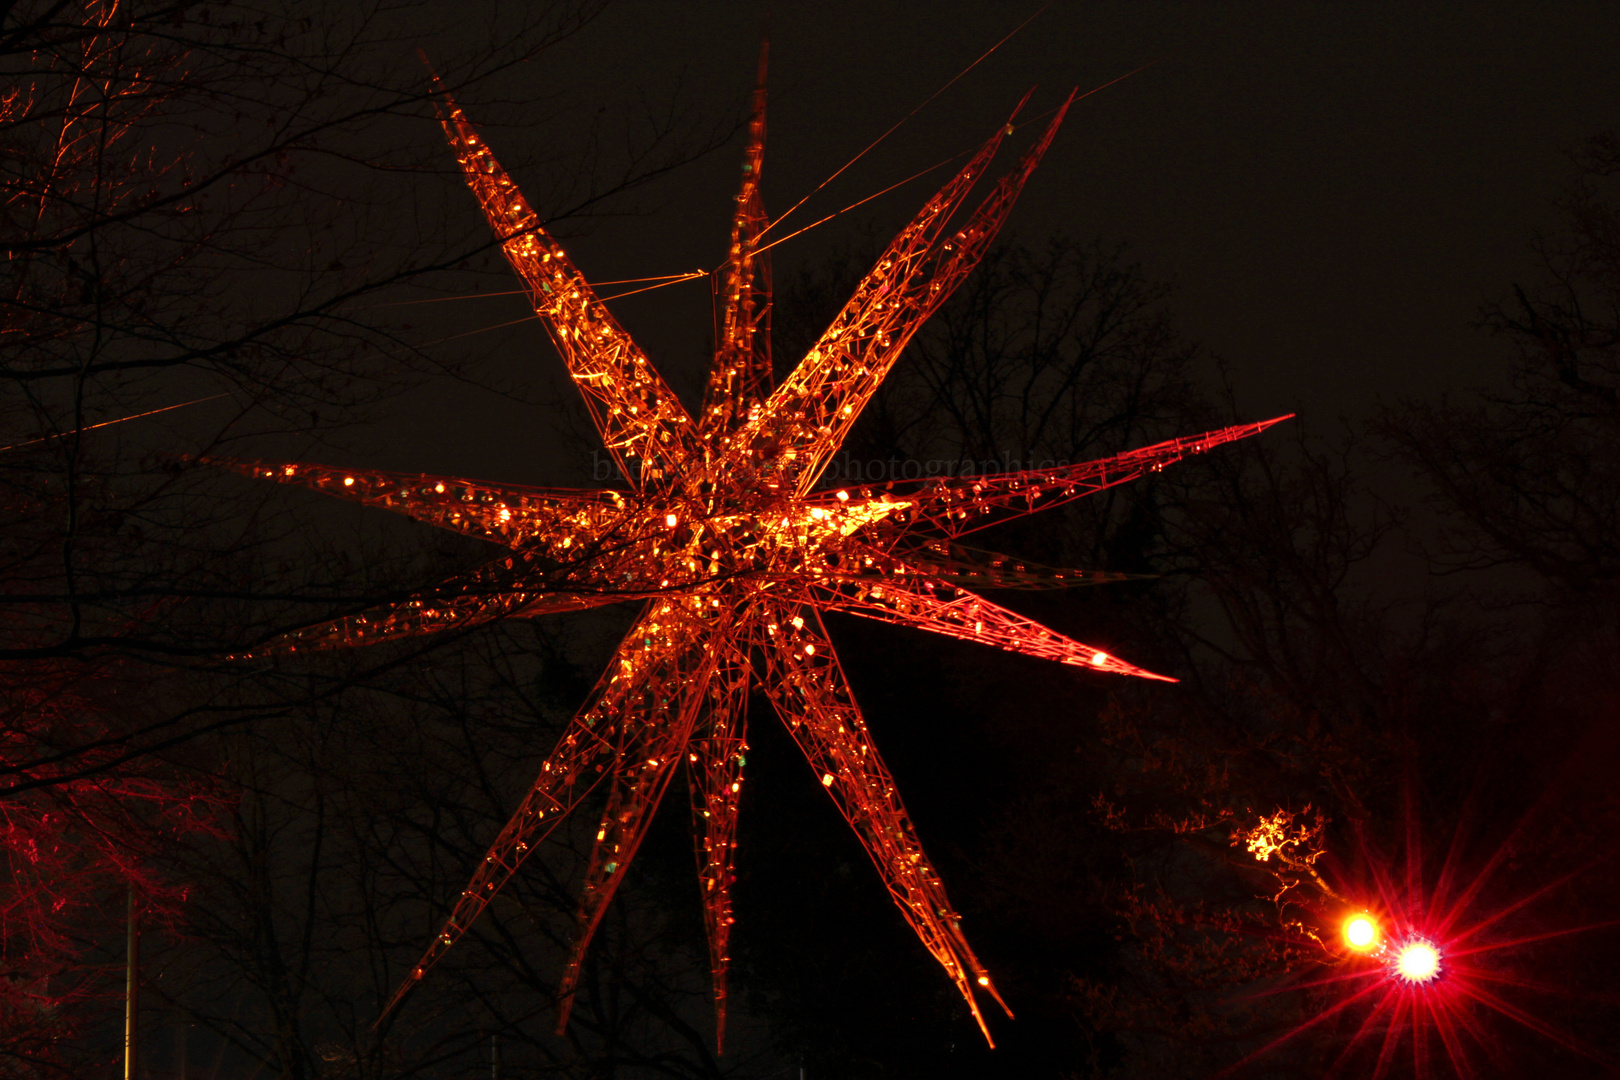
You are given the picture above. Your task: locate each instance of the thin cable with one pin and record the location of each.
(1104, 86)
(675, 279)
(443, 299)
(906, 117)
(480, 330)
(869, 198)
(693, 276)
(690, 276)
(109, 423)
(947, 161)
(671, 278)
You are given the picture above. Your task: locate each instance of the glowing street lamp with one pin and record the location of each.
(1361, 932)
(1417, 961)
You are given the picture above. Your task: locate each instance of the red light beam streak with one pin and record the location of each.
(1386, 889)
(1355, 1040)
(1532, 938)
(1531, 1021)
(1298, 1030)
(1295, 987)
(1517, 905)
(1500, 855)
(1519, 982)
(1455, 1053)
(1386, 1052)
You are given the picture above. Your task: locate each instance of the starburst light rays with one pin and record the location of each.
(1424, 965)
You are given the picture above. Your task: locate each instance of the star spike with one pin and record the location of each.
(626, 700)
(890, 553)
(483, 600)
(740, 377)
(961, 505)
(816, 406)
(638, 415)
(794, 420)
(645, 757)
(927, 603)
(714, 765)
(513, 515)
(807, 686)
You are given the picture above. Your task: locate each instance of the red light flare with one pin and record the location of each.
(1429, 975)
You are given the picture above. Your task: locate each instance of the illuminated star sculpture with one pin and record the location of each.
(724, 537)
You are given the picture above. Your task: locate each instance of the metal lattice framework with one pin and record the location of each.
(723, 536)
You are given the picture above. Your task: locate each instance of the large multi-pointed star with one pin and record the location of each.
(724, 536)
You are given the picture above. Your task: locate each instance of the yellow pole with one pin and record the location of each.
(132, 953)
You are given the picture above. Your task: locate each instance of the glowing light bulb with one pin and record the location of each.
(1418, 961)
(1360, 931)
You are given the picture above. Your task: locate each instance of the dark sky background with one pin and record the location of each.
(1333, 190)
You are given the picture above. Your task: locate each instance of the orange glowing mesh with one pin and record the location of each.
(642, 422)
(714, 764)
(733, 553)
(740, 377)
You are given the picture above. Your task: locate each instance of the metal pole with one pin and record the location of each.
(132, 952)
(494, 1057)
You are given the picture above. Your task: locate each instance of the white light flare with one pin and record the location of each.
(1416, 962)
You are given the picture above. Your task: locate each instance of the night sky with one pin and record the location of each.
(1332, 190)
